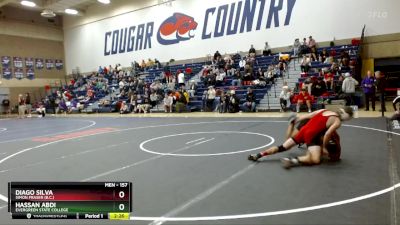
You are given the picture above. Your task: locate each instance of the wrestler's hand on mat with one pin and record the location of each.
(325, 151)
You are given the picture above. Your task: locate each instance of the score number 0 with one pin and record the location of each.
(121, 194)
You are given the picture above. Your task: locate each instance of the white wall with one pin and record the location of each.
(85, 44)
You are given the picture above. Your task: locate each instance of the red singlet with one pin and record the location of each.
(313, 127)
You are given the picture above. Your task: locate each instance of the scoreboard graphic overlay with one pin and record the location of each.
(70, 200)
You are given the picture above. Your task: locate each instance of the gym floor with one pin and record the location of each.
(195, 169)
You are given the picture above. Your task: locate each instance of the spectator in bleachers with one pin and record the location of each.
(224, 102)
(267, 50)
(252, 51)
(259, 73)
(192, 88)
(119, 67)
(144, 106)
(133, 101)
(323, 56)
(181, 79)
(338, 86)
(368, 85)
(220, 63)
(217, 100)
(121, 85)
(167, 72)
(150, 64)
(181, 102)
(110, 69)
(62, 107)
(186, 95)
(261, 81)
(216, 56)
(242, 64)
(237, 78)
(328, 79)
(308, 84)
(248, 73)
(233, 105)
(282, 67)
(211, 93)
(305, 64)
(140, 86)
(303, 97)
(270, 75)
(156, 86)
(157, 63)
(344, 61)
(171, 85)
(335, 69)
(318, 87)
(284, 97)
(143, 65)
(153, 99)
(296, 47)
(123, 108)
(210, 79)
(349, 88)
(135, 66)
(250, 104)
(41, 109)
(220, 76)
(304, 48)
(229, 65)
(168, 100)
(204, 101)
(312, 45)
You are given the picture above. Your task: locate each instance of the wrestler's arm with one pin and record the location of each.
(335, 125)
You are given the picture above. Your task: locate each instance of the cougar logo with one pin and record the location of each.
(178, 27)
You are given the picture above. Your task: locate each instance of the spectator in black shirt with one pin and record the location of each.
(381, 85)
(250, 104)
(6, 106)
(217, 55)
(252, 51)
(318, 88)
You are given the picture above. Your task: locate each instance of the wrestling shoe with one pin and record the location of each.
(253, 157)
(286, 163)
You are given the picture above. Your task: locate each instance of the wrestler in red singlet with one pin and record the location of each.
(313, 128)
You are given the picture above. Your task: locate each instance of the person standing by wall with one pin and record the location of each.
(28, 104)
(368, 85)
(21, 106)
(349, 88)
(381, 84)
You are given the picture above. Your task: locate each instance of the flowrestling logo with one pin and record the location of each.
(178, 27)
